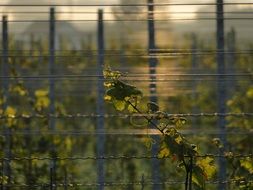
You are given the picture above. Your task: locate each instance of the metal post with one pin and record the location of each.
(100, 101)
(153, 98)
(221, 89)
(231, 61)
(52, 86)
(5, 73)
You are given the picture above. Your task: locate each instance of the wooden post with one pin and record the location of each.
(221, 89)
(153, 92)
(100, 102)
(52, 89)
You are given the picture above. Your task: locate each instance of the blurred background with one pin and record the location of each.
(53, 117)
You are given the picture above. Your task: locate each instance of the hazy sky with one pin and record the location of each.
(93, 15)
(172, 9)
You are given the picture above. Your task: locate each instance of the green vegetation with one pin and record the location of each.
(188, 146)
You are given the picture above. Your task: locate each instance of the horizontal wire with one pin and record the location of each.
(134, 20)
(129, 76)
(143, 55)
(115, 132)
(122, 5)
(139, 183)
(27, 116)
(128, 12)
(122, 157)
(151, 81)
(139, 50)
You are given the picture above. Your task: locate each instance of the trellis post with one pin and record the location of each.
(5, 74)
(221, 89)
(100, 102)
(52, 88)
(153, 89)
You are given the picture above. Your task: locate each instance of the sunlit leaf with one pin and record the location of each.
(249, 93)
(39, 93)
(207, 166)
(164, 151)
(179, 139)
(247, 164)
(107, 98)
(131, 109)
(109, 74)
(119, 105)
(10, 111)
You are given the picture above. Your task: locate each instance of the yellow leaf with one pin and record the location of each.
(40, 93)
(164, 153)
(250, 93)
(207, 165)
(107, 98)
(247, 164)
(10, 111)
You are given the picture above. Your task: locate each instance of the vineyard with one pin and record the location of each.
(126, 103)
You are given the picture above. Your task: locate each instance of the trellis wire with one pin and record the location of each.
(153, 55)
(79, 115)
(127, 12)
(134, 20)
(122, 5)
(88, 184)
(119, 157)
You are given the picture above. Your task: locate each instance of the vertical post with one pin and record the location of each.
(221, 89)
(153, 97)
(5, 73)
(100, 101)
(231, 60)
(52, 88)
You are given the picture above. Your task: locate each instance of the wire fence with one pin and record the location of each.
(41, 154)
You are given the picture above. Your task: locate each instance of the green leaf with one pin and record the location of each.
(119, 105)
(249, 93)
(198, 178)
(164, 151)
(178, 121)
(247, 164)
(121, 91)
(131, 109)
(40, 93)
(109, 74)
(207, 166)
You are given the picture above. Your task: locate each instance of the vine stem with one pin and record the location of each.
(188, 168)
(187, 174)
(191, 168)
(148, 119)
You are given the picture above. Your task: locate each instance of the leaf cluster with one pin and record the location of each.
(173, 144)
